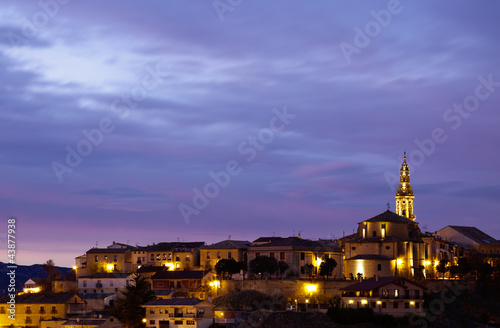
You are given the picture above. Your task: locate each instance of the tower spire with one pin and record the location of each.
(404, 194)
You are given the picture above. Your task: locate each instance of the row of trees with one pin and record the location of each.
(269, 265)
(464, 267)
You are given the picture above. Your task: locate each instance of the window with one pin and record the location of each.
(417, 305)
(395, 305)
(387, 247)
(160, 284)
(85, 283)
(177, 258)
(2, 310)
(178, 322)
(115, 258)
(229, 255)
(302, 256)
(179, 284)
(374, 234)
(151, 322)
(379, 267)
(28, 309)
(190, 322)
(152, 257)
(96, 258)
(42, 310)
(169, 257)
(187, 258)
(271, 254)
(407, 293)
(54, 310)
(282, 256)
(111, 283)
(164, 257)
(105, 257)
(208, 255)
(417, 293)
(151, 311)
(385, 293)
(407, 305)
(158, 256)
(218, 255)
(396, 293)
(28, 320)
(384, 305)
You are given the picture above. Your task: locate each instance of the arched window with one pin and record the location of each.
(379, 267)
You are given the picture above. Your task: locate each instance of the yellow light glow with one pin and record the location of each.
(427, 262)
(74, 267)
(170, 266)
(436, 263)
(318, 262)
(311, 288)
(412, 303)
(379, 302)
(110, 267)
(364, 301)
(32, 290)
(144, 320)
(351, 301)
(399, 261)
(307, 301)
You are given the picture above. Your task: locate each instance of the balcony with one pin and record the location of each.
(98, 285)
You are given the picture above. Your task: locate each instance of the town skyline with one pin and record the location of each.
(165, 122)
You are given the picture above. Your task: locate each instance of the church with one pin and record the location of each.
(388, 244)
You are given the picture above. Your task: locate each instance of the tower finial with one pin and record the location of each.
(388, 206)
(405, 154)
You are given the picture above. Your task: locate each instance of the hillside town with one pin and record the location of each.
(388, 266)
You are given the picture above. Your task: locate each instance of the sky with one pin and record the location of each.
(152, 121)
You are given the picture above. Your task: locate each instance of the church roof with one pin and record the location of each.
(389, 216)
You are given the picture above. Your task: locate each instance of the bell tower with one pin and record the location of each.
(404, 195)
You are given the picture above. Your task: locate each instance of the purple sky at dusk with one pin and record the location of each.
(315, 113)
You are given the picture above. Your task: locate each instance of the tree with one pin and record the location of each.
(442, 266)
(463, 267)
(326, 267)
(226, 266)
(263, 264)
(282, 266)
(129, 308)
(52, 274)
(307, 268)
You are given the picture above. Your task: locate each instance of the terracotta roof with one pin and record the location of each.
(389, 216)
(476, 235)
(83, 322)
(146, 269)
(163, 292)
(95, 296)
(372, 283)
(228, 244)
(105, 275)
(174, 301)
(109, 250)
(44, 298)
(179, 275)
(172, 246)
(370, 257)
(296, 242)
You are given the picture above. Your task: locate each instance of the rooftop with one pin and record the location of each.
(389, 216)
(229, 244)
(175, 301)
